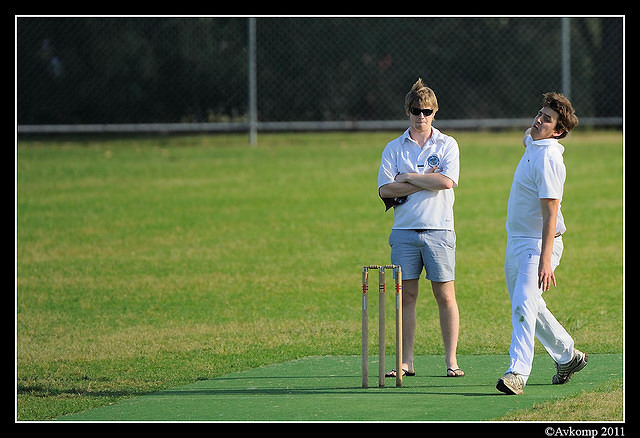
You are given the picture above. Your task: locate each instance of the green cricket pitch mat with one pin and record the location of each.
(328, 388)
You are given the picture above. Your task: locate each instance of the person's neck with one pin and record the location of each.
(420, 137)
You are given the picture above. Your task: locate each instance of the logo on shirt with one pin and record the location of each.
(433, 161)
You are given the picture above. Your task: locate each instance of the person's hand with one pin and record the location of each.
(524, 139)
(545, 276)
(433, 170)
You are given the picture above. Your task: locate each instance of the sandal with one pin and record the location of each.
(454, 372)
(392, 373)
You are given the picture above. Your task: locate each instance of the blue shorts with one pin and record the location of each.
(433, 250)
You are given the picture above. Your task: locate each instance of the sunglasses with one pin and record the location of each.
(416, 111)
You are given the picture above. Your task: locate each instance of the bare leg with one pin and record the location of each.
(449, 319)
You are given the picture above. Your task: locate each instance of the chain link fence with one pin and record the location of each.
(91, 74)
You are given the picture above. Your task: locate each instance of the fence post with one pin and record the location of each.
(253, 101)
(566, 58)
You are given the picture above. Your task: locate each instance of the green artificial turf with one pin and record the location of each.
(328, 388)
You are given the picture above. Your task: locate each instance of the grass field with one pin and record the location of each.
(148, 263)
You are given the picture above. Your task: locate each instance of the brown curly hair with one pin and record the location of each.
(567, 119)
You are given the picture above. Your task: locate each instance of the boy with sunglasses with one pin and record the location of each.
(417, 174)
(534, 247)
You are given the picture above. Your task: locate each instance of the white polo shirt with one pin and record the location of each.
(540, 174)
(426, 209)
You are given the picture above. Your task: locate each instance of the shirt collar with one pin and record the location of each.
(435, 134)
(546, 142)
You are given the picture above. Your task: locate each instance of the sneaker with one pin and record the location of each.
(565, 371)
(510, 384)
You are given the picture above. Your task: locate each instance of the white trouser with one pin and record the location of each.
(530, 317)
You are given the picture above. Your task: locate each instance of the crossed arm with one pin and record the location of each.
(409, 183)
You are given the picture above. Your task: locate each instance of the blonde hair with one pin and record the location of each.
(420, 96)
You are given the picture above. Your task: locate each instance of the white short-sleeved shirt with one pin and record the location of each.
(426, 209)
(540, 174)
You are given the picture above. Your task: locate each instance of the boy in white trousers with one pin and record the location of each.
(534, 247)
